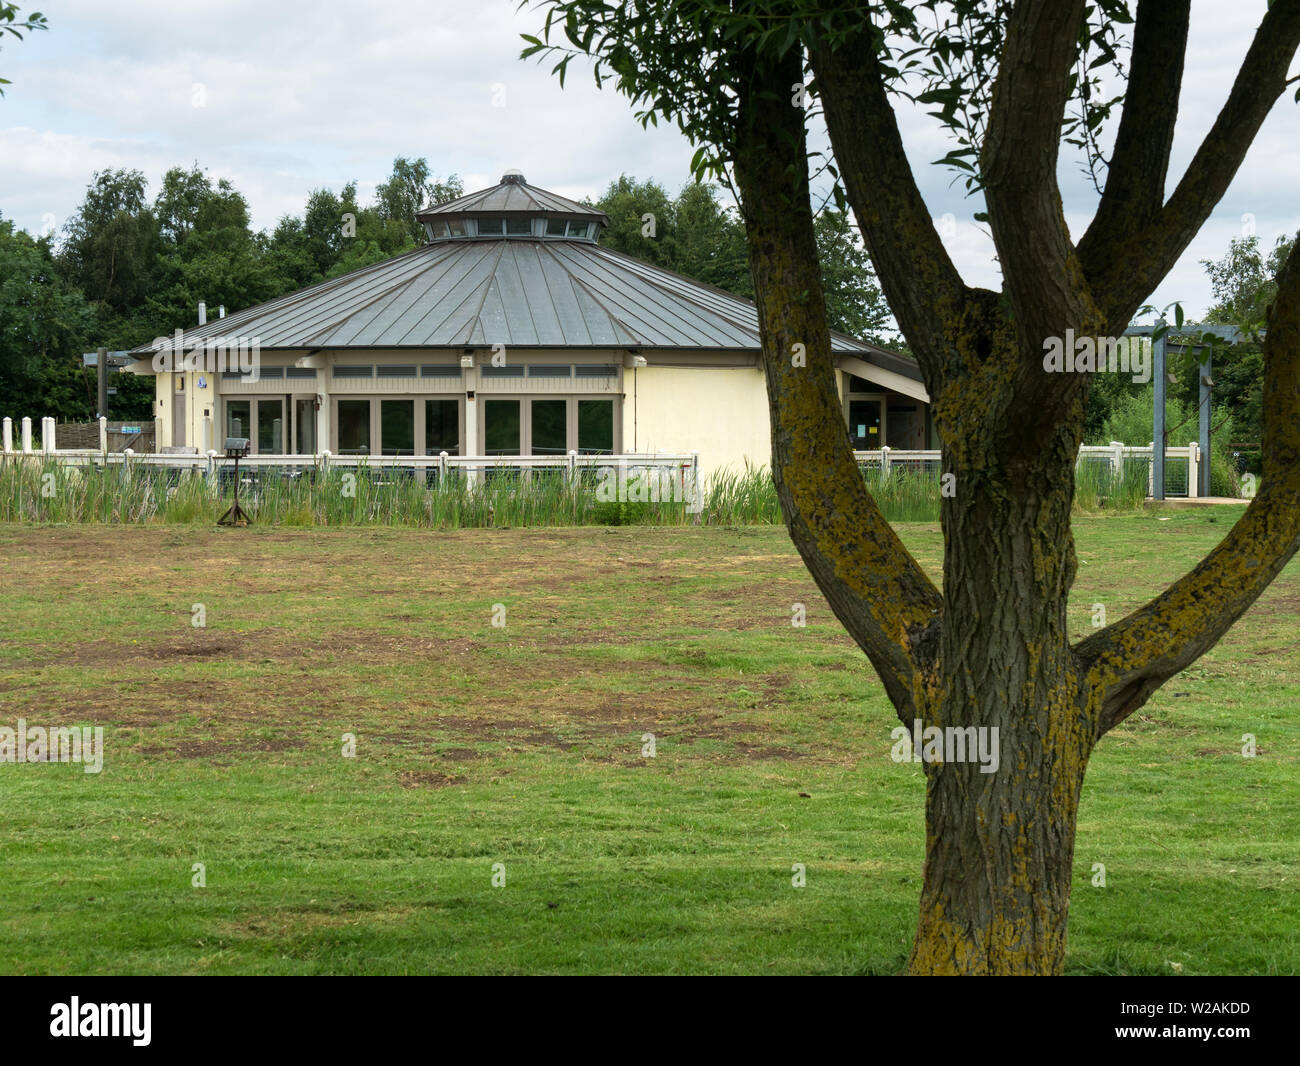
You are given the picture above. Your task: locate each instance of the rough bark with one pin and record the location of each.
(877, 590)
(993, 651)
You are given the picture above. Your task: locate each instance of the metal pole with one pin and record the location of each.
(1158, 429)
(102, 363)
(1205, 394)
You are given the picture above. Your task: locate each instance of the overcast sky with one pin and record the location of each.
(283, 98)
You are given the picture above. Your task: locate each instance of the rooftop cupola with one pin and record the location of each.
(512, 210)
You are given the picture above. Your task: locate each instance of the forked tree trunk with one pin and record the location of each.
(992, 651)
(1000, 844)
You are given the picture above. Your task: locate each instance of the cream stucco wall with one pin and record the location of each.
(198, 402)
(719, 412)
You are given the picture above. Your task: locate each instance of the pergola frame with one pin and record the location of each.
(1232, 335)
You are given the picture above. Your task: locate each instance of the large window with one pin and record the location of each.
(501, 427)
(550, 427)
(261, 421)
(397, 427)
(270, 427)
(354, 427)
(441, 427)
(239, 421)
(595, 427)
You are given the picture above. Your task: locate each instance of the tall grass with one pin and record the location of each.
(1097, 486)
(34, 490)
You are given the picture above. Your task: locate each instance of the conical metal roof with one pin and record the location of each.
(513, 196)
(523, 292)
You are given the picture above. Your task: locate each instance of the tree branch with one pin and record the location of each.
(877, 590)
(1135, 182)
(916, 275)
(1042, 279)
(1128, 661)
(1129, 272)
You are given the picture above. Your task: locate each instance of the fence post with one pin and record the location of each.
(103, 435)
(8, 434)
(323, 461)
(572, 473)
(207, 432)
(1193, 471)
(212, 467)
(1117, 460)
(884, 462)
(27, 435)
(695, 475)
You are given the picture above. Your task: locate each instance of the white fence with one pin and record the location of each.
(1115, 455)
(682, 468)
(651, 477)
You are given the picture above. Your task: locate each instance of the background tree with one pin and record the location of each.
(12, 26)
(1009, 83)
(128, 270)
(695, 235)
(409, 188)
(44, 326)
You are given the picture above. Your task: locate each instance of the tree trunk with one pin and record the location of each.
(1000, 836)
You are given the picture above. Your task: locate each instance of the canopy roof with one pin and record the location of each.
(529, 289)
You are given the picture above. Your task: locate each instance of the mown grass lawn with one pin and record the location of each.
(522, 746)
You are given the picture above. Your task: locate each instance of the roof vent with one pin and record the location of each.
(512, 177)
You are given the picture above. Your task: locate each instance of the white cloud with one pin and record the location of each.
(297, 98)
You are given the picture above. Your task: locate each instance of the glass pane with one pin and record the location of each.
(578, 229)
(555, 227)
(270, 427)
(501, 427)
(354, 427)
(489, 227)
(397, 427)
(519, 225)
(442, 427)
(864, 424)
(595, 427)
(305, 415)
(238, 423)
(550, 427)
(456, 228)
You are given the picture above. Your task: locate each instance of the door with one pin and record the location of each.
(864, 424)
(179, 412)
(305, 427)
